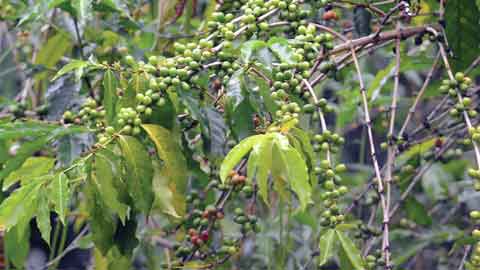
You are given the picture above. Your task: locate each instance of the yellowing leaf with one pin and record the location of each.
(237, 153)
(174, 167)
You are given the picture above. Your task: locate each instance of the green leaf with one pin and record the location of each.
(73, 65)
(20, 206)
(139, 170)
(351, 251)
(417, 212)
(17, 248)
(326, 246)
(101, 219)
(236, 154)
(463, 33)
(174, 163)
(416, 150)
(109, 95)
(379, 81)
(43, 217)
(260, 164)
(27, 149)
(60, 195)
(248, 49)
(20, 129)
(55, 48)
(82, 9)
(103, 176)
(31, 168)
(137, 84)
(281, 49)
(298, 176)
(295, 169)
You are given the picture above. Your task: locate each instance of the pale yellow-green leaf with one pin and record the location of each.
(31, 168)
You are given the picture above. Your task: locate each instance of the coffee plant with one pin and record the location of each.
(250, 134)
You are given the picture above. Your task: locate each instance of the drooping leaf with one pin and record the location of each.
(260, 164)
(43, 217)
(296, 170)
(60, 195)
(139, 171)
(174, 163)
(31, 168)
(104, 174)
(52, 51)
(326, 246)
(16, 248)
(236, 154)
(102, 222)
(20, 206)
(350, 250)
(74, 65)
(109, 95)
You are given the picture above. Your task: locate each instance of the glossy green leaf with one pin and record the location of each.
(260, 164)
(281, 49)
(101, 219)
(236, 154)
(139, 170)
(16, 248)
(43, 217)
(326, 246)
(248, 49)
(110, 95)
(60, 195)
(104, 175)
(297, 174)
(52, 51)
(174, 163)
(73, 65)
(20, 206)
(350, 250)
(31, 168)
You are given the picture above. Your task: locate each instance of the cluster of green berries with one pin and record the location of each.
(90, 112)
(374, 260)
(130, 121)
(248, 222)
(459, 87)
(308, 43)
(365, 232)
(474, 262)
(327, 140)
(288, 111)
(333, 190)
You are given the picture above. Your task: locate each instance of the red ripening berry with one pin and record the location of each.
(204, 235)
(330, 15)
